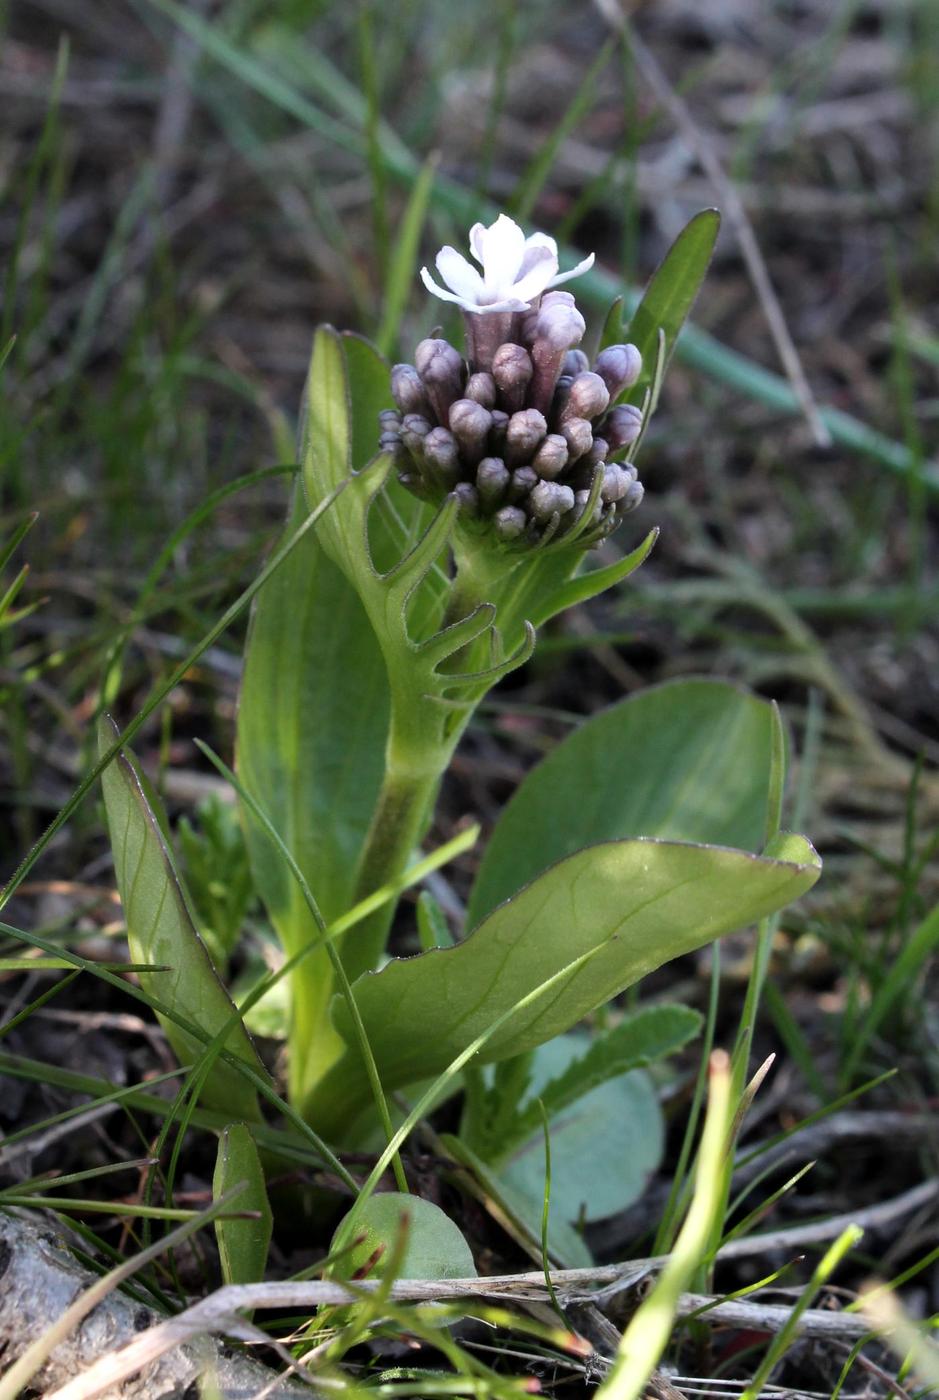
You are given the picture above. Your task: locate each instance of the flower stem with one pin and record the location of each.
(401, 816)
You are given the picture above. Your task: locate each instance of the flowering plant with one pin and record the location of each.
(445, 510)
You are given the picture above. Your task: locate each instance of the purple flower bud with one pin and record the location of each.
(492, 480)
(468, 498)
(588, 397)
(391, 443)
(550, 498)
(598, 452)
(616, 483)
(575, 362)
(619, 366)
(510, 522)
(551, 458)
(578, 435)
(440, 367)
(500, 423)
(523, 434)
(481, 387)
(512, 370)
(524, 479)
(558, 327)
(414, 429)
(389, 420)
(562, 391)
(442, 457)
(408, 391)
(632, 498)
(622, 426)
(470, 424)
(580, 505)
(556, 298)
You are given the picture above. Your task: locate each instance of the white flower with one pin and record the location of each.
(515, 269)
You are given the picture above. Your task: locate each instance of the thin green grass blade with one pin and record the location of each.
(784, 1338)
(345, 986)
(156, 699)
(900, 976)
(647, 1335)
(535, 177)
(402, 266)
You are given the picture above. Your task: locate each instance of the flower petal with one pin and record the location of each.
(574, 272)
(508, 304)
(537, 273)
(536, 241)
(431, 285)
(503, 247)
(460, 276)
(476, 234)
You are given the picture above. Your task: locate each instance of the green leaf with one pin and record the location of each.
(687, 760)
(433, 931)
(566, 1247)
(312, 725)
(604, 1147)
(628, 906)
(605, 1122)
(160, 932)
(242, 1244)
(434, 1246)
(640, 1038)
(494, 1121)
(669, 297)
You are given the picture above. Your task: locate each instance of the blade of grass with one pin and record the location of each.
(784, 1338)
(402, 266)
(646, 1337)
(157, 698)
(345, 985)
(535, 176)
(900, 976)
(368, 70)
(33, 174)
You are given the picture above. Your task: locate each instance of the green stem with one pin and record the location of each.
(420, 747)
(401, 816)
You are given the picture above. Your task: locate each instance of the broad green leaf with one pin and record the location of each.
(604, 1147)
(160, 931)
(640, 1038)
(434, 1246)
(312, 725)
(669, 297)
(629, 906)
(566, 1246)
(687, 760)
(242, 1244)
(604, 1120)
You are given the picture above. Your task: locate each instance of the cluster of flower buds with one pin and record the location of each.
(525, 433)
